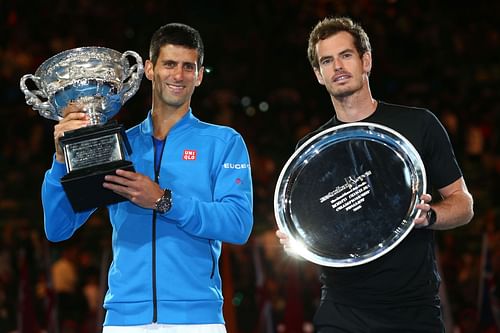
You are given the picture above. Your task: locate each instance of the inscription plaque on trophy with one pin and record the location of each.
(348, 194)
(100, 80)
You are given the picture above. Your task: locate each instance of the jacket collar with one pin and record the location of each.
(186, 121)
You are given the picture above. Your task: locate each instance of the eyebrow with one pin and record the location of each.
(165, 61)
(325, 58)
(348, 50)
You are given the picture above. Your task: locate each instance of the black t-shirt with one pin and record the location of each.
(406, 275)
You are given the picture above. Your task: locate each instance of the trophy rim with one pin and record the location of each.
(44, 66)
(285, 180)
(69, 75)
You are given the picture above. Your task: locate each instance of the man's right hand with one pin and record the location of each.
(74, 118)
(285, 241)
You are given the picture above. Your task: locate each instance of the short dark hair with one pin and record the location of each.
(330, 26)
(176, 34)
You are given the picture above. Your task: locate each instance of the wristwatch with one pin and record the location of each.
(164, 203)
(431, 217)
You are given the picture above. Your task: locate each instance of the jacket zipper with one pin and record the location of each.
(213, 258)
(153, 250)
(155, 301)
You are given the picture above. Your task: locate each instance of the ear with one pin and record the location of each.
(367, 62)
(200, 76)
(149, 70)
(319, 77)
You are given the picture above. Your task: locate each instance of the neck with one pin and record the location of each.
(354, 107)
(164, 120)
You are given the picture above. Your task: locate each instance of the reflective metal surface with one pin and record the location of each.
(99, 78)
(100, 81)
(348, 194)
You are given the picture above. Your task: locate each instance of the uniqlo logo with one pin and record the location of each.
(189, 155)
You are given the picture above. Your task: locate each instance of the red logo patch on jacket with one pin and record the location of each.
(189, 155)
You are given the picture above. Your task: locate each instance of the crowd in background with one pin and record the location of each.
(258, 80)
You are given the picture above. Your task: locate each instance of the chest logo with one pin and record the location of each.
(189, 155)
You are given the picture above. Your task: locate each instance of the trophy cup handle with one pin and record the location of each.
(132, 79)
(44, 108)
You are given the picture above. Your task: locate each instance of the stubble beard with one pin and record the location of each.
(170, 99)
(344, 92)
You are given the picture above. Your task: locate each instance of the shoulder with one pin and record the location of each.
(403, 117)
(144, 126)
(134, 130)
(218, 132)
(330, 123)
(398, 110)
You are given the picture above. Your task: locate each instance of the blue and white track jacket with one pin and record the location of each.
(165, 268)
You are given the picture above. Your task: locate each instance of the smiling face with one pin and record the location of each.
(174, 77)
(342, 70)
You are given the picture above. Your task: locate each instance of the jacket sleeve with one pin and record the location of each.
(228, 217)
(60, 221)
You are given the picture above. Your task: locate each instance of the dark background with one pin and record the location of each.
(439, 55)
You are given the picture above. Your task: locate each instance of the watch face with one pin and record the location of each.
(165, 202)
(348, 195)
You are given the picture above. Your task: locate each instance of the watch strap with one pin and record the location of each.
(431, 217)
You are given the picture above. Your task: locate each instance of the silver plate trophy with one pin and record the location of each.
(348, 194)
(101, 80)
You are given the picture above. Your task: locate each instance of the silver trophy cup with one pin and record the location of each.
(100, 80)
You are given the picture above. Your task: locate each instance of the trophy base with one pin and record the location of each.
(84, 187)
(95, 145)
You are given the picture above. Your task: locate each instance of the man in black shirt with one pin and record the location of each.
(397, 292)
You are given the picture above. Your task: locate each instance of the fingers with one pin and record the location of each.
(126, 187)
(283, 238)
(136, 187)
(71, 122)
(73, 115)
(280, 234)
(127, 178)
(74, 118)
(424, 206)
(424, 203)
(287, 246)
(421, 221)
(426, 197)
(128, 174)
(122, 178)
(118, 188)
(72, 107)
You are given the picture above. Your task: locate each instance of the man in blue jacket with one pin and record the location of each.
(191, 191)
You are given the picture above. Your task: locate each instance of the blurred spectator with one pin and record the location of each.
(66, 286)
